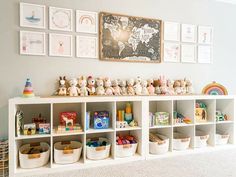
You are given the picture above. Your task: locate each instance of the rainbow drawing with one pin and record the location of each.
(214, 89)
(87, 20)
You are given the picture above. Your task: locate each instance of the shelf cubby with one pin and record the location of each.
(187, 131)
(226, 129)
(210, 111)
(208, 129)
(226, 106)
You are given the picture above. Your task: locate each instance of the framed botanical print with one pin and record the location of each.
(188, 33)
(86, 47)
(86, 22)
(129, 38)
(188, 53)
(171, 52)
(171, 31)
(205, 34)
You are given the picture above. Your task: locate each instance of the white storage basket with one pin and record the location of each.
(67, 152)
(126, 150)
(98, 153)
(180, 142)
(201, 139)
(159, 147)
(34, 160)
(222, 138)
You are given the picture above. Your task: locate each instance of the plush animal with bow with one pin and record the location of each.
(91, 85)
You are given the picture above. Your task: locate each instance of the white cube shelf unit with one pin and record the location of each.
(141, 106)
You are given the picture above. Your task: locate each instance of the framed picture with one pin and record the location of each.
(32, 43)
(32, 15)
(86, 47)
(205, 35)
(204, 54)
(60, 45)
(86, 22)
(171, 52)
(129, 38)
(188, 53)
(188, 33)
(171, 31)
(60, 19)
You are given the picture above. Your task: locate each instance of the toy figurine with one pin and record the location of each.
(170, 87)
(100, 87)
(73, 89)
(91, 85)
(137, 86)
(83, 86)
(163, 85)
(108, 88)
(151, 88)
(144, 87)
(62, 91)
(130, 88)
(116, 87)
(177, 87)
(157, 85)
(183, 86)
(189, 87)
(123, 88)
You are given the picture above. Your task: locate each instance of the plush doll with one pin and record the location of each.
(163, 85)
(62, 90)
(183, 86)
(151, 88)
(130, 87)
(108, 88)
(170, 87)
(122, 84)
(100, 87)
(137, 86)
(144, 87)
(83, 86)
(157, 85)
(177, 87)
(116, 87)
(189, 87)
(73, 89)
(91, 85)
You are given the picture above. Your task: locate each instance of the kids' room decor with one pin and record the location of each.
(204, 54)
(188, 33)
(4, 149)
(214, 88)
(188, 53)
(86, 47)
(86, 22)
(171, 52)
(28, 90)
(171, 31)
(205, 34)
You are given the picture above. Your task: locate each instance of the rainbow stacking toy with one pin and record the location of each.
(28, 90)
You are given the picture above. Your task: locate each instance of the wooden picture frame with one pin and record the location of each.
(111, 49)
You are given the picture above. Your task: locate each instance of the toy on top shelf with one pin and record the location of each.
(183, 86)
(157, 85)
(100, 87)
(144, 87)
(116, 87)
(62, 90)
(151, 88)
(221, 116)
(170, 87)
(84, 90)
(73, 89)
(101, 120)
(108, 86)
(130, 87)
(159, 118)
(91, 85)
(177, 87)
(189, 87)
(122, 84)
(28, 90)
(201, 112)
(163, 86)
(137, 86)
(181, 119)
(214, 89)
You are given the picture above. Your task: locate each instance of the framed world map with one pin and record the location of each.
(129, 38)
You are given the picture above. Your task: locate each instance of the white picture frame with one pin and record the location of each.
(60, 45)
(60, 19)
(86, 22)
(171, 52)
(205, 53)
(171, 31)
(188, 53)
(32, 15)
(205, 35)
(86, 47)
(32, 43)
(188, 33)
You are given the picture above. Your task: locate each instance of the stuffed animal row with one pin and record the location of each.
(105, 86)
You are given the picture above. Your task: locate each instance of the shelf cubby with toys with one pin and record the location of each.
(65, 133)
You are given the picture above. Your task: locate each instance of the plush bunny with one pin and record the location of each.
(137, 86)
(151, 88)
(170, 86)
(157, 85)
(73, 89)
(183, 86)
(130, 88)
(100, 89)
(144, 87)
(163, 85)
(177, 87)
(83, 86)
(189, 87)
(116, 87)
(122, 84)
(62, 90)
(108, 88)
(91, 85)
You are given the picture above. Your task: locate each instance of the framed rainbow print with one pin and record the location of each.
(86, 22)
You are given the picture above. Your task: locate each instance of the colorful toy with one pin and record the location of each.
(84, 90)
(38, 120)
(214, 89)
(97, 143)
(101, 120)
(179, 118)
(220, 116)
(69, 129)
(30, 129)
(128, 113)
(62, 90)
(91, 85)
(121, 124)
(73, 89)
(116, 87)
(137, 86)
(44, 128)
(123, 140)
(161, 118)
(100, 89)
(122, 84)
(68, 118)
(19, 122)
(150, 87)
(130, 88)
(201, 112)
(28, 90)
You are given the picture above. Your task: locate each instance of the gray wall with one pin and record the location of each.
(43, 71)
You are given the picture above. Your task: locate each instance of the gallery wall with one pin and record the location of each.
(43, 71)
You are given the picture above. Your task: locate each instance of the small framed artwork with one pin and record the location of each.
(32, 43)
(188, 33)
(171, 52)
(32, 15)
(204, 54)
(86, 47)
(60, 19)
(171, 31)
(60, 45)
(86, 22)
(188, 53)
(205, 35)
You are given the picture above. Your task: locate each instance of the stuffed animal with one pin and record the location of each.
(73, 89)
(108, 86)
(170, 87)
(130, 87)
(177, 87)
(62, 90)
(163, 85)
(91, 85)
(83, 86)
(137, 86)
(151, 88)
(183, 86)
(157, 85)
(144, 87)
(116, 87)
(189, 87)
(100, 87)
(122, 84)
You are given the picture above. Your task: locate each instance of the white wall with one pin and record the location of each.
(43, 71)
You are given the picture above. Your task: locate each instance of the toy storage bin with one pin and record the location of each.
(98, 153)
(180, 141)
(201, 139)
(67, 152)
(126, 150)
(34, 160)
(222, 138)
(159, 147)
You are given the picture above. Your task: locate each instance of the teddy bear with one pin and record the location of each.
(91, 85)
(137, 86)
(108, 86)
(130, 87)
(73, 89)
(150, 87)
(83, 86)
(144, 84)
(122, 84)
(62, 90)
(100, 87)
(116, 87)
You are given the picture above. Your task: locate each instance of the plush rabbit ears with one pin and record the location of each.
(64, 78)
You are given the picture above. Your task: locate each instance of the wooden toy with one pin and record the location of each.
(214, 89)
(62, 90)
(154, 138)
(108, 86)
(84, 90)
(130, 88)
(201, 112)
(30, 129)
(116, 87)
(137, 86)
(68, 118)
(91, 85)
(44, 128)
(19, 122)
(101, 120)
(38, 120)
(179, 118)
(100, 87)
(128, 113)
(73, 89)
(121, 124)
(68, 129)
(28, 90)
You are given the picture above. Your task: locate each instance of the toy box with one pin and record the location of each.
(68, 118)
(30, 129)
(101, 120)
(44, 128)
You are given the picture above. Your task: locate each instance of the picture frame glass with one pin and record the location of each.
(86, 22)
(188, 33)
(205, 54)
(171, 52)
(86, 47)
(188, 53)
(205, 35)
(171, 31)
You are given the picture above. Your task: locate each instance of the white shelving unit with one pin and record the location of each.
(142, 105)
